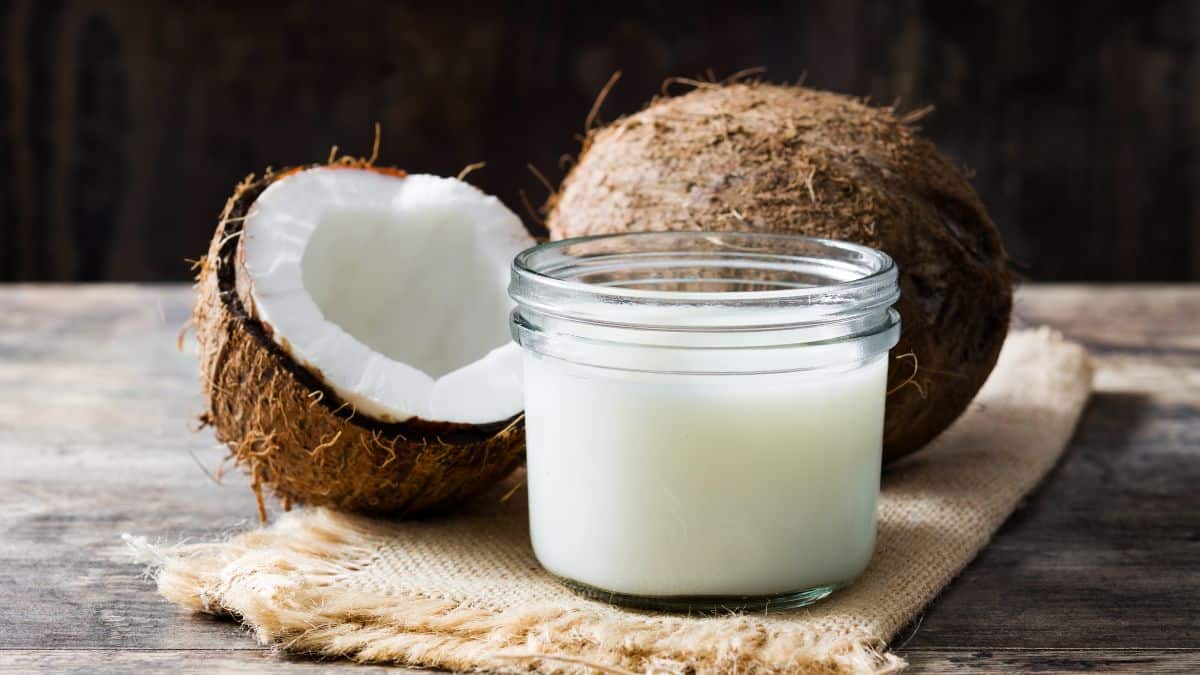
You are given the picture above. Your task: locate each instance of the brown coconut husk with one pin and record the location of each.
(293, 435)
(771, 158)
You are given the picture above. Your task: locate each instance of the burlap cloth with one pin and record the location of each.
(464, 592)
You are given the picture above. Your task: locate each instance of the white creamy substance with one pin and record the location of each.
(660, 484)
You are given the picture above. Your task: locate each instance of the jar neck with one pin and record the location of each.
(705, 302)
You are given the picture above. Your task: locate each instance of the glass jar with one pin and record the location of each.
(704, 413)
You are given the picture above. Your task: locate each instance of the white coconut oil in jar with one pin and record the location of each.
(704, 414)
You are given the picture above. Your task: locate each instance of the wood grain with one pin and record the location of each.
(175, 660)
(1117, 524)
(928, 661)
(1141, 661)
(124, 124)
(1098, 571)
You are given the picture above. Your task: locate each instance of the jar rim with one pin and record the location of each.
(815, 280)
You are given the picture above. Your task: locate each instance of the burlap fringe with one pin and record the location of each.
(283, 582)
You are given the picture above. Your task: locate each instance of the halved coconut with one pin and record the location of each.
(353, 333)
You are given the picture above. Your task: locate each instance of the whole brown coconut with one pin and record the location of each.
(763, 157)
(294, 435)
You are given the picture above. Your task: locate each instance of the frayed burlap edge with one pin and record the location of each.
(282, 582)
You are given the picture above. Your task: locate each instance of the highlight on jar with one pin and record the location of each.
(704, 414)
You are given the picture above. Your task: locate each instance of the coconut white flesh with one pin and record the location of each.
(390, 290)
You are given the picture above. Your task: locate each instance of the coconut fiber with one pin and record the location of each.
(759, 157)
(464, 591)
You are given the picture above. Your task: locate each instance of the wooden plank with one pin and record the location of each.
(930, 661)
(1150, 319)
(1104, 554)
(69, 580)
(1085, 149)
(94, 442)
(1147, 661)
(191, 660)
(1098, 568)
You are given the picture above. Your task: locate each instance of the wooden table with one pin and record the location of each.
(1099, 569)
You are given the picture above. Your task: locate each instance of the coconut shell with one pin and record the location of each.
(771, 158)
(292, 433)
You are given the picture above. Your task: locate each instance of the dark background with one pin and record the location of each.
(126, 124)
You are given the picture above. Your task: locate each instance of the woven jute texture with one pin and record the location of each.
(464, 592)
